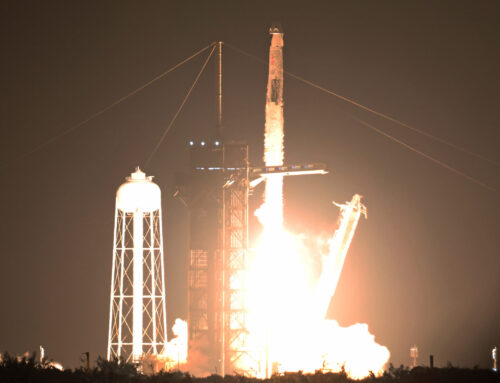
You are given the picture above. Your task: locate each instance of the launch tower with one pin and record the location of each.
(216, 191)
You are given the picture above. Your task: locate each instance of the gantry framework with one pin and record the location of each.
(234, 233)
(218, 202)
(217, 193)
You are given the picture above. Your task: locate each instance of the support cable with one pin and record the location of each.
(379, 114)
(219, 91)
(180, 108)
(102, 111)
(413, 149)
(379, 131)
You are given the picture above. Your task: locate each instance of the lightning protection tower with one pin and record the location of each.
(137, 323)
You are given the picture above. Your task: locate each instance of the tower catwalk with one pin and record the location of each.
(137, 323)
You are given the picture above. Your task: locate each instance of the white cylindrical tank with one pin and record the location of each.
(138, 193)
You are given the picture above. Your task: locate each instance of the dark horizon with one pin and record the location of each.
(421, 270)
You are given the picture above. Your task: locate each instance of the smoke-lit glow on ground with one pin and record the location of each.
(176, 348)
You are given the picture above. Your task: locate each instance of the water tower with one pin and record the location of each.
(137, 323)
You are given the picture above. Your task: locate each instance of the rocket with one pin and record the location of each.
(274, 134)
(273, 139)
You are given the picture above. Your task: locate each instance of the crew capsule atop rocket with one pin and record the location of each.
(276, 28)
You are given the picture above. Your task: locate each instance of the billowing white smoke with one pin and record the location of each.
(177, 347)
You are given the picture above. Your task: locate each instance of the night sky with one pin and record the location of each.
(423, 269)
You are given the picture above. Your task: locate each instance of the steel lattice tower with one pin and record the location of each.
(137, 323)
(217, 197)
(234, 247)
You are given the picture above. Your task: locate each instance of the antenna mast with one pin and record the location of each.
(219, 92)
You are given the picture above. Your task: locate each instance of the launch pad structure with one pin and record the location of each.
(216, 191)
